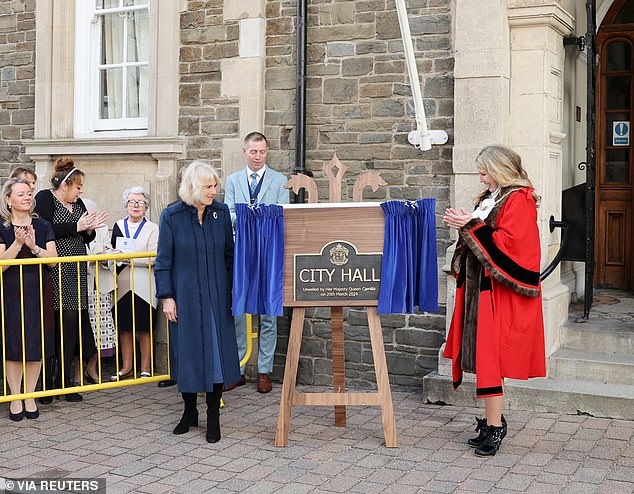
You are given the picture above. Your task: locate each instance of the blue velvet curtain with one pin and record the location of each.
(258, 265)
(409, 269)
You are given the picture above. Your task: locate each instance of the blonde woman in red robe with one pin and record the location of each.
(497, 329)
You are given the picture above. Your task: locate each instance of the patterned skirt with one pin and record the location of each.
(102, 322)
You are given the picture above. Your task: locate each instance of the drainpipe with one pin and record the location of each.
(590, 155)
(300, 98)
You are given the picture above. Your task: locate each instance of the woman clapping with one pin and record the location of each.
(24, 236)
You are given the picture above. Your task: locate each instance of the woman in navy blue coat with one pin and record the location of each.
(193, 271)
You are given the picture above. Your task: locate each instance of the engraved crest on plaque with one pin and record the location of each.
(339, 255)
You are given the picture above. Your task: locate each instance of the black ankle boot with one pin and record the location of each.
(190, 414)
(213, 426)
(491, 442)
(189, 419)
(213, 414)
(476, 442)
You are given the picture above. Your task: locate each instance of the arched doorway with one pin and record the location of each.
(614, 161)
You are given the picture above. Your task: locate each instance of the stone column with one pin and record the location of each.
(63, 70)
(536, 128)
(163, 186)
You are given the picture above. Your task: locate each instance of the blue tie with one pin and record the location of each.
(254, 183)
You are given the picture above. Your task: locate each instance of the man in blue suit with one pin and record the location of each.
(257, 183)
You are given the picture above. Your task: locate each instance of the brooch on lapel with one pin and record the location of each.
(215, 215)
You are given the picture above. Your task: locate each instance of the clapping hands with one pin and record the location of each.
(91, 220)
(455, 219)
(25, 235)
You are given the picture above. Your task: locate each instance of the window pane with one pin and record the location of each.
(111, 39)
(619, 56)
(131, 3)
(137, 92)
(107, 4)
(610, 118)
(138, 36)
(618, 93)
(617, 165)
(626, 15)
(110, 93)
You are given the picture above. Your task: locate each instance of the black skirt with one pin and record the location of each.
(141, 314)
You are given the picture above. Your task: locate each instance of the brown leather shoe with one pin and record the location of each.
(240, 382)
(264, 383)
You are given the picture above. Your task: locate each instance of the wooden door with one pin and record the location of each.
(615, 173)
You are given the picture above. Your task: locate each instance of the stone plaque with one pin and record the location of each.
(338, 273)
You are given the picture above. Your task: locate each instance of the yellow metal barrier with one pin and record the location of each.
(155, 377)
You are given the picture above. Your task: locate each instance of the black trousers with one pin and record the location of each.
(69, 336)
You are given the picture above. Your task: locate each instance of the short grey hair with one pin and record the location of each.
(135, 190)
(195, 175)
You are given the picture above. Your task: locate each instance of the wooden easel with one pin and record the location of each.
(306, 229)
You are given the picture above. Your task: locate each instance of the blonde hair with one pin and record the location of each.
(7, 190)
(195, 175)
(505, 167)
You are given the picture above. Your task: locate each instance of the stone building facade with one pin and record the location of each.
(218, 69)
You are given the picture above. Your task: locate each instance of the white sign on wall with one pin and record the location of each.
(621, 133)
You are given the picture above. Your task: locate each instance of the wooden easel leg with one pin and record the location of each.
(382, 379)
(290, 376)
(338, 362)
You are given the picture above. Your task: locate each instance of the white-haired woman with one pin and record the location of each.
(24, 236)
(194, 267)
(136, 311)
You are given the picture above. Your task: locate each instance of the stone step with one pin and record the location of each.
(598, 337)
(541, 395)
(600, 367)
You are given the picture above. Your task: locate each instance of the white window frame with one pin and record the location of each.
(87, 121)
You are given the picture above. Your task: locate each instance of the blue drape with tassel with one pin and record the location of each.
(409, 269)
(258, 267)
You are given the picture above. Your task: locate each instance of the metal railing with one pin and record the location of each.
(103, 382)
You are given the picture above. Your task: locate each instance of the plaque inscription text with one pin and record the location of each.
(339, 272)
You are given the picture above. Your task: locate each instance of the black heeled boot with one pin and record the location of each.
(491, 442)
(213, 414)
(476, 442)
(190, 414)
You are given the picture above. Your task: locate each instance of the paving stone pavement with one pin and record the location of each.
(125, 436)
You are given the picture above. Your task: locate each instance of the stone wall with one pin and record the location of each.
(359, 105)
(17, 81)
(206, 117)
